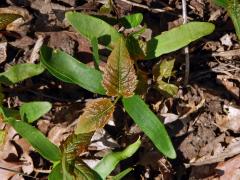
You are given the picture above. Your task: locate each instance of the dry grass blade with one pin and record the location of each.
(97, 113)
(119, 75)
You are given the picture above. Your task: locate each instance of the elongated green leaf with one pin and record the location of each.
(110, 161)
(47, 149)
(94, 43)
(119, 77)
(96, 114)
(132, 20)
(20, 72)
(149, 124)
(177, 38)
(68, 69)
(233, 8)
(56, 173)
(32, 111)
(91, 27)
(122, 174)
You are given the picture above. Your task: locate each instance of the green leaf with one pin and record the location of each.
(119, 77)
(68, 69)
(222, 3)
(94, 43)
(32, 111)
(96, 114)
(39, 142)
(20, 72)
(56, 172)
(132, 20)
(167, 89)
(177, 38)
(233, 8)
(121, 174)
(166, 67)
(91, 27)
(110, 161)
(149, 124)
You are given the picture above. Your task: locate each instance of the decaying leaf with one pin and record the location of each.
(13, 19)
(119, 75)
(97, 113)
(3, 49)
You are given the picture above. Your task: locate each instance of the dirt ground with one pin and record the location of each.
(202, 119)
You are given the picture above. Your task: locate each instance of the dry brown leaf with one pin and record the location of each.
(229, 169)
(14, 19)
(119, 77)
(96, 114)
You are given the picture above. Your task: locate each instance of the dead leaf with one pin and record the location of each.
(229, 169)
(229, 121)
(3, 51)
(119, 77)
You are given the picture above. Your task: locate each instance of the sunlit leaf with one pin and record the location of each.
(68, 69)
(91, 27)
(121, 175)
(149, 124)
(56, 173)
(32, 111)
(167, 88)
(20, 72)
(110, 161)
(106, 8)
(132, 20)
(6, 19)
(119, 75)
(39, 142)
(166, 67)
(233, 8)
(177, 38)
(96, 114)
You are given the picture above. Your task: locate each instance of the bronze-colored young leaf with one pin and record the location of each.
(76, 144)
(97, 113)
(119, 77)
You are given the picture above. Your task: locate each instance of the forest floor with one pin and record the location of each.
(202, 120)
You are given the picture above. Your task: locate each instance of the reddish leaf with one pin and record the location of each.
(96, 115)
(119, 76)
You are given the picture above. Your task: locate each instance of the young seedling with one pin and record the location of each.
(118, 80)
